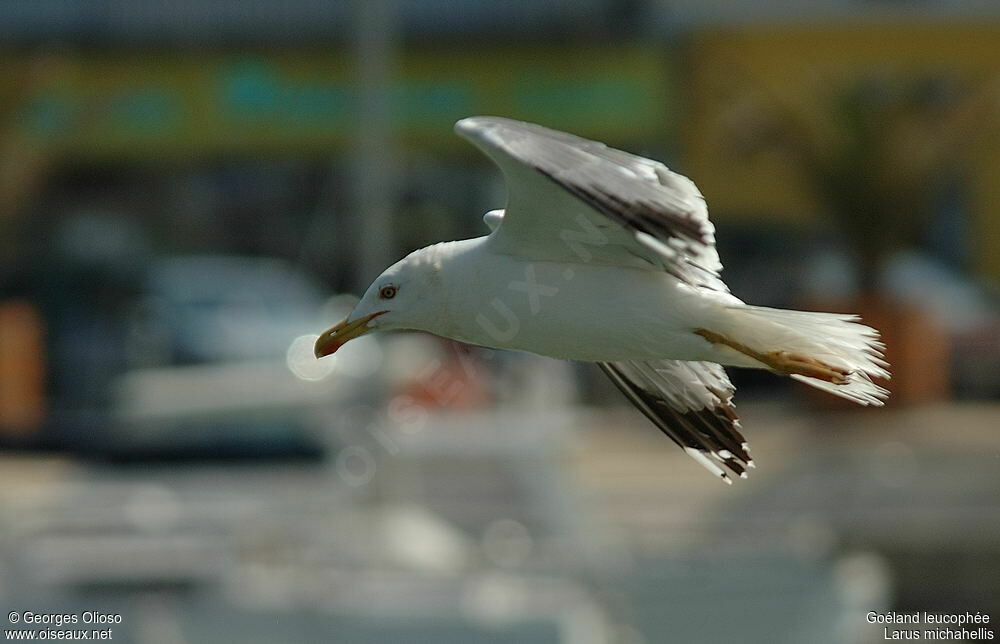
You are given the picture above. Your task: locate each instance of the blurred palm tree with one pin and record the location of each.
(890, 145)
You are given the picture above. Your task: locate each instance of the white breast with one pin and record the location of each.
(575, 311)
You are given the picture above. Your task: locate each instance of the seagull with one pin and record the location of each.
(608, 257)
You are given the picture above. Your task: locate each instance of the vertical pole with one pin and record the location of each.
(374, 170)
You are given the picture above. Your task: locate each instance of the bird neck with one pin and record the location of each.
(461, 284)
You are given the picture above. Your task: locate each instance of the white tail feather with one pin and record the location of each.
(835, 339)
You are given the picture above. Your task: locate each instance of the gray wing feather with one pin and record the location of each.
(692, 403)
(663, 211)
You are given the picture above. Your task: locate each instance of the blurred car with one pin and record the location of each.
(217, 362)
(210, 309)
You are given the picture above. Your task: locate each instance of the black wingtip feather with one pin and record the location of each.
(712, 431)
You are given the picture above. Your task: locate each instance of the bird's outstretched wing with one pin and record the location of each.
(691, 402)
(571, 199)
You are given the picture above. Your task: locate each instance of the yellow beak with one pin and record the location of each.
(340, 334)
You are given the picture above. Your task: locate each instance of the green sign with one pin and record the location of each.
(187, 105)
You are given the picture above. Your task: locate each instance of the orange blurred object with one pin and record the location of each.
(917, 348)
(22, 368)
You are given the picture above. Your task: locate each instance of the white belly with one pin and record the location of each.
(587, 312)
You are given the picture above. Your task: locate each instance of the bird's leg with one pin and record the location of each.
(783, 362)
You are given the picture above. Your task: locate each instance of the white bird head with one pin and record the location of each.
(402, 297)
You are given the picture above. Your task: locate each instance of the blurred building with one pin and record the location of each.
(185, 188)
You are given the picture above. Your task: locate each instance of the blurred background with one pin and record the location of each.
(191, 190)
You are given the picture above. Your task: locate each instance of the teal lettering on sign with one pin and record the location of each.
(258, 91)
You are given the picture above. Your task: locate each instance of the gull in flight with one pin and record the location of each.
(603, 256)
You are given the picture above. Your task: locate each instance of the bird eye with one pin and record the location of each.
(387, 292)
